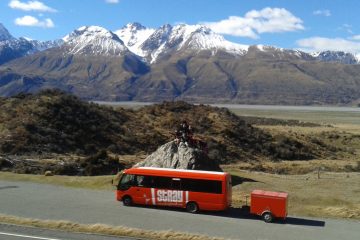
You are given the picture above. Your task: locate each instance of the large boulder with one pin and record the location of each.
(179, 156)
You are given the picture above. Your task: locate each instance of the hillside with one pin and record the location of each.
(55, 123)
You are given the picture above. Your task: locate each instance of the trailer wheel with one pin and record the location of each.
(267, 217)
(127, 201)
(192, 207)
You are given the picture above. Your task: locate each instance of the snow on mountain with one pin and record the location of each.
(12, 48)
(357, 57)
(94, 40)
(133, 35)
(43, 45)
(337, 56)
(194, 37)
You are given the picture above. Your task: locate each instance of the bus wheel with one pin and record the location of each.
(127, 201)
(192, 207)
(267, 217)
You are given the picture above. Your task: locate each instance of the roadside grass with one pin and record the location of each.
(335, 195)
(93, 182)
(103, 229)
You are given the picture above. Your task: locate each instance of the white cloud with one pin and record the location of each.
(315, 44)
(30, 6)
(356, 38)
(31, 21)
(112, 1)
(267, 20)
(322, 12)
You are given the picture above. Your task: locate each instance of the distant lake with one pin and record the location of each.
(247, 106)
(318, 114)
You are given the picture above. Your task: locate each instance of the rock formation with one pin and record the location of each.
(172, 155)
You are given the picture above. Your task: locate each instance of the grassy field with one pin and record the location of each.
(332, 195)
(94, 182)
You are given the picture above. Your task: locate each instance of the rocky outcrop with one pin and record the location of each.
(172, 155)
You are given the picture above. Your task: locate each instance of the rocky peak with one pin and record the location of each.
(179, 156)
(94, 40)
(182, 37)
(91, 32)
(133, 35)
(156, 39)
(4, 34)
(135, 26)
(336, 56)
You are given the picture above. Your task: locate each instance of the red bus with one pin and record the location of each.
(191, 189)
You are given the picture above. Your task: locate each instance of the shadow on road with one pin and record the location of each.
(304, 222)
(7, 187)
(243, 213)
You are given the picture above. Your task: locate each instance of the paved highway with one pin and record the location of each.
(44, 201)
(14, 232)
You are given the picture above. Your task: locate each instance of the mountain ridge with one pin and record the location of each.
(182, 62)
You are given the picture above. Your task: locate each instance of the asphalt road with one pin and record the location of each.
(44, 201)
(14, 232)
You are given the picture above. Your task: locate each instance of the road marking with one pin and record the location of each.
(27, 236)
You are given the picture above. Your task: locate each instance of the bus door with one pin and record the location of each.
(141, 191)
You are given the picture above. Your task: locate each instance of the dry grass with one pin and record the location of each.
(94, 182)
(103, 229)
(343, 139)
(333, 195)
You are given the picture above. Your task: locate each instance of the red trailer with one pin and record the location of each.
(269, 205)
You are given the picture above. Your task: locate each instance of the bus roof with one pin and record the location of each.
(170, 172)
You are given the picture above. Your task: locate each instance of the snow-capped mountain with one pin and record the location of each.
(152, 43)
(4, 34)
(188, 62)
(95, 41)
(133, 35)
(337, 56)
(187, 37)
(43, 45)
(11, 47)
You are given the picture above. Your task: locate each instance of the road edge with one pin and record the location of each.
(102, 229)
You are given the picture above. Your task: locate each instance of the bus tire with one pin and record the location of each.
(267, 217)
(192, 207)
(127, 201)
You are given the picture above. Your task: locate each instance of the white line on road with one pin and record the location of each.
(27, 236)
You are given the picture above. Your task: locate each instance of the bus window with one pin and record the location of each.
(127, 180)
(139, 181)
(176, 184)
(199, 185)
(162, 182)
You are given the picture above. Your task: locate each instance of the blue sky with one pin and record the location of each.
(300, 24)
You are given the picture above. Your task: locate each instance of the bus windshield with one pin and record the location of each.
(126, 181)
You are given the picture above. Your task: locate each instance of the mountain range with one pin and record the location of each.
(181, 62)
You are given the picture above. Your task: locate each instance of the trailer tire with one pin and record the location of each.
(192, 207)
(127, 201)
(267, 217)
